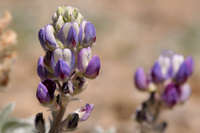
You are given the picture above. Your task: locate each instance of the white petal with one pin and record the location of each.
(58, 54)
(177, 60)
(67, 56)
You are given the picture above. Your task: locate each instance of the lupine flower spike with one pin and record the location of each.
(65, 68)
(167, 85)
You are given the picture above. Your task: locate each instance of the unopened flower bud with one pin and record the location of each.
(67, 87)
(60, 11)
(72, 121)
(47, 38)
(87, 34)
(59, 23)
(68, 34)
(140, 79)
(88, 65)
(80, 84)
(54, 17)
(45, 91)
(41, 70)
(40, 123)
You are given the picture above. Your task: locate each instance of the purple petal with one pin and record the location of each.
(87, 110)
(182, 74)
(185, 93)
(50, 38)
(42, 39)
(90, 33)
(80, 34)
(93, 67)
(171, 94)
(41, 70)
(83, 58)
(190, 65)
(68, 35)
(156, 73)
(42, 93)
(62, 70)
(140, 79)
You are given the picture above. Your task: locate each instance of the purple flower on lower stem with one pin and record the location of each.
(171, 94)
(185, 70)
(140, 79)
(85, 112)
(45, 91)
(41, 70)
(88, 65)
(47, 38)
(87, 34)
(68, 34)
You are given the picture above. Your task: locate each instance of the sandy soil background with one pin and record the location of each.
(130, 33)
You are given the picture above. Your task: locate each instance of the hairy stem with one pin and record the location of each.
(149, 116)
(55, 128)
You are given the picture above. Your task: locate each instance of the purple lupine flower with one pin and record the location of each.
(171, 94)
(185, 93)
(47, 38)
(68, 34)
(87, 34)
(88, 65)
(140, 79)
(64, 63)
(185, 70)
(41, 70)
(162, 69)
(156, 73)
(85, 112)
(45, 91)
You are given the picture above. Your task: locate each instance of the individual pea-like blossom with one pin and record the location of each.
(66, 66)
(63, 63)
(89, 65)
(87, 34)
(68, 34)
(47, 38)
(167, 85)
(140, 79)
(84, 112)
(45, 91)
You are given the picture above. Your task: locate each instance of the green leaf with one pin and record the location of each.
(5, 113)
(10, 126)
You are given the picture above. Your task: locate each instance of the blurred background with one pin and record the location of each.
(130, 33)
